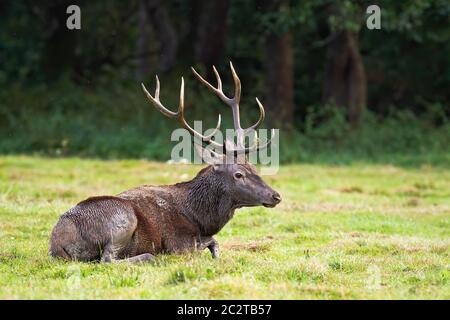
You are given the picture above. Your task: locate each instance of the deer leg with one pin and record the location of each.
(145, 257)
(212, 245)
(110, 256)
(214, 248)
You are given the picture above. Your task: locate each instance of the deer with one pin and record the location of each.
(138, 224)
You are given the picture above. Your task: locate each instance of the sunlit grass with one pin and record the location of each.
(341, 232)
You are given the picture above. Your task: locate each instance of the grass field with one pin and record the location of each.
(342, 232)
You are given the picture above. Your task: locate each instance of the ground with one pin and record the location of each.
(342, 232)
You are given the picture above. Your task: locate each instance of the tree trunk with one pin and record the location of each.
(211, 31)
(279, 100)
(59, 47)
(142, 44)
(345, 78)
(164, 31)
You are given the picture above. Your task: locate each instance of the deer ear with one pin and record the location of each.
(209, 156)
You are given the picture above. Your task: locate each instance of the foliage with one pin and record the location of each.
(407, 60)
(116, 121)
(94, 106)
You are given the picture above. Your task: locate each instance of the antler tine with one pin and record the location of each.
(239, 147)
(217, 91)
(237, 85)
(180, 113)
(157, 88)
(184, 123)
(256, 147)
(156, 102)
(232, 102)
(181, 107)
(219, 81)
(262, 115)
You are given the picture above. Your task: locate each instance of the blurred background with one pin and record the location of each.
(340, 92)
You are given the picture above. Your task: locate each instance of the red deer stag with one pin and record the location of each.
(139, 223)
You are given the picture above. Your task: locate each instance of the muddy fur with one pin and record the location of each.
(139, 223)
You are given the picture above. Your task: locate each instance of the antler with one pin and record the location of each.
(180, 113)
(239, 147)
(234, 104)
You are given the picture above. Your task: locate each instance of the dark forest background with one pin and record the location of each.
(339, 92)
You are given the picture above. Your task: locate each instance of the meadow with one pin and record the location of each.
(354, 231)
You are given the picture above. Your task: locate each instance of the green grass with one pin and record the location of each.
(342, 232)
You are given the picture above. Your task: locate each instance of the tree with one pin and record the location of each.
(164, 32)
(280, 79)
(345, 77)
(211, 32)
(142, 43)
(279, 64)
(59, 48)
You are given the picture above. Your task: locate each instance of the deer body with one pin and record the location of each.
(147, 220)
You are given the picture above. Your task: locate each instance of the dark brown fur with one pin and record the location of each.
(147, 220)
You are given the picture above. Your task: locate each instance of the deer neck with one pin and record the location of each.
(208, 203)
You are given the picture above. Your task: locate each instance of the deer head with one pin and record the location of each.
(230, 167)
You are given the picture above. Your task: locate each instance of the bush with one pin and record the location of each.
(117, 122)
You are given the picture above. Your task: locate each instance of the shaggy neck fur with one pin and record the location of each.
(208, 202)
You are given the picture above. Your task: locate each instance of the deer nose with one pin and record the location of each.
(277, 197)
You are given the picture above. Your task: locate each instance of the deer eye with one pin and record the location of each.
(238, 175)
